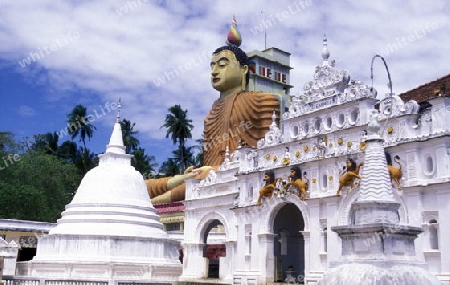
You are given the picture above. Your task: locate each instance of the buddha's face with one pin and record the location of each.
(226, 72)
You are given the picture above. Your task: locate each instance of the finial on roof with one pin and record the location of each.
(119, 106)
(325, 52)
(233, 37)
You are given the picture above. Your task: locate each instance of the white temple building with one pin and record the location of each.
(290, 239)
(392, 211)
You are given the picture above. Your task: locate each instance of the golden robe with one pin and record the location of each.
(245, 116)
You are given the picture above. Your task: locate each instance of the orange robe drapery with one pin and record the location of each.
(244, 116)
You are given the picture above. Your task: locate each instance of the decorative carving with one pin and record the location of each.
(211, 178)
(273, 136)
(347, 179)
(269, 187)
(28, 241)
(296, 182)
(394, 172)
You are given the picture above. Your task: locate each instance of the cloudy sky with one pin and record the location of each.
(56, 54)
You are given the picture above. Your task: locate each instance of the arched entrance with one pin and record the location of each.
(214, 238)
(289, 245)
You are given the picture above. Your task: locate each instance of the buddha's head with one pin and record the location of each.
(229, 65)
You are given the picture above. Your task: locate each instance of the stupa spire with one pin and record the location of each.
(116, 141)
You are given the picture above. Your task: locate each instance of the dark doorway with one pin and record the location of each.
(212, 251)
(26, 253)
(289, 245)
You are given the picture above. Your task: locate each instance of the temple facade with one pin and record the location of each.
(273, 231)
(293, 208)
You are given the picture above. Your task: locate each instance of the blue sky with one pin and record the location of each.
(93, 52)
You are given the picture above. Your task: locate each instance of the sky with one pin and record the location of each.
(155, 54)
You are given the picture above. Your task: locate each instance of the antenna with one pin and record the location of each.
(265, 30)
(389, 85)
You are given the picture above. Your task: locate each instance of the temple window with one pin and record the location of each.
(248, 239)
(341, 119)
(354, 116)
(433, 234)
(328, 124)
(429, 165)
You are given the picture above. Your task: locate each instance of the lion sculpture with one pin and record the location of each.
(394, 172)
(296, 181)
(269, 187)
(347, 179)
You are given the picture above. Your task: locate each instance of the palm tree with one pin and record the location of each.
(130, 142)
(178, 128)
(85, 160)
(185, 157)
(199, 156)
(169, 168)
(79, 124)
(144, 163)
(68, 150)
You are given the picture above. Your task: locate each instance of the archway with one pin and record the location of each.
(289, 245)
(214, 247)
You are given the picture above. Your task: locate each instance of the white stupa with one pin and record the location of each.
(110, 230)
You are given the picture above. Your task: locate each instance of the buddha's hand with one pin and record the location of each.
(191, 171)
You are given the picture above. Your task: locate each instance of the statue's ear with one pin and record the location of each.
(245, 69)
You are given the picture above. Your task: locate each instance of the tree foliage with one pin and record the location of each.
(37, 187)
(128, 135)
(179, 128)
(144, 163)
(169, 168)
(79, 124)
(42, 175)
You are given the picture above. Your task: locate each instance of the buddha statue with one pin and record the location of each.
(236, 116)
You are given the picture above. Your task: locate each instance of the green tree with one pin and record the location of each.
(23, 202)
(79, 124)
(37, 187)
(68, 151)
(7, 141)
(179, 129)
(184, 156)
(128, 135)
(199, 152)
(144, 163)
(169, 168)
(47, 143)
(85, 160)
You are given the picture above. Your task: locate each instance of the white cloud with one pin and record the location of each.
(26, 111)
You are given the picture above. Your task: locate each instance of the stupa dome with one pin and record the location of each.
(112, 199)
